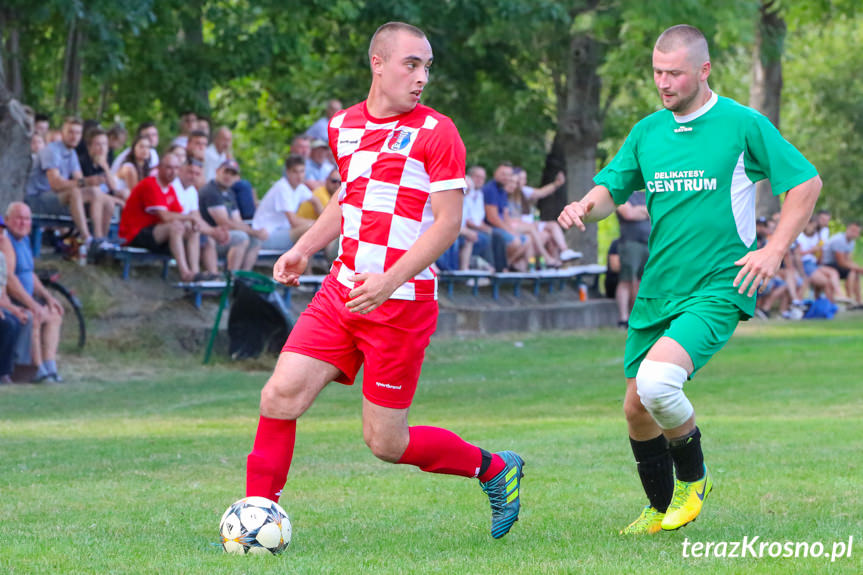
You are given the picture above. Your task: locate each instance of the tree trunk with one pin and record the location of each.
(10, 44)
(15, 128)
(766, 89)
(73, 84)
(69, 91)
(579, 132)
(193, 31)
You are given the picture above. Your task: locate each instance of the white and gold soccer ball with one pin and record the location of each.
(255, 525)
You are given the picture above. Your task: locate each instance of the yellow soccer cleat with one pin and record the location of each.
(687, 501)
(648, 523)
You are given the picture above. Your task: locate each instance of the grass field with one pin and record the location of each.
(129, 469)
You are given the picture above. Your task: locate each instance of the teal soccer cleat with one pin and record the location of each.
(502, 491)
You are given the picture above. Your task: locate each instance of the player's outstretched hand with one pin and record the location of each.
(370, 291)
(289, 267)
(757, 268)
(574, 214)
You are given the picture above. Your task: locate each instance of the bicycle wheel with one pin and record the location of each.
(73, 333)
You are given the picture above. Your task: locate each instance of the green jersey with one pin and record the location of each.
(699, 172)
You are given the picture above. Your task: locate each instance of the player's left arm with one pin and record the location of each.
(758, 267)
(375, 289)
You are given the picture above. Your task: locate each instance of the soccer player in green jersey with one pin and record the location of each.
(698, 160)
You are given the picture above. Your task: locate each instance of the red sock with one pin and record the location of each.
(270, 460)
(497, 465)
(437, 450)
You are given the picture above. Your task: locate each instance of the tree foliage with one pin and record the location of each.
(266, 68)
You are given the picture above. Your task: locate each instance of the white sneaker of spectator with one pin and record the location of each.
(569, 254)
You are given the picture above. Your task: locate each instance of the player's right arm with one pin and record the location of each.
(596, 205)
(292, 264)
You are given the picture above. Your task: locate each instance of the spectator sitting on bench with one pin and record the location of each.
(510, 249)
(136, 166)
(324, 194)
(197, 148)
(187, 194)
(97, 170)
(57, 186)
(182, 156)
(837, 254)
(520, 217)
(117, 137)
(277, 212)
(318, 165)
(147, 130)
(41, 125)
(153, 219)
(475, 234)
(26, 290)
(554, 237)
(203, 125)
(219, 209)
(217, 152)
(820, 277)
(188, 123)
(12, 318)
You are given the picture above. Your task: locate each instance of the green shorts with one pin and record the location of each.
(701, 324)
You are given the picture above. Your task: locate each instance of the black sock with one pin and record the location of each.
(655, 470)
(687, 456)
(486, 462)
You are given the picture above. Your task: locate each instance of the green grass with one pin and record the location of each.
(128, 469)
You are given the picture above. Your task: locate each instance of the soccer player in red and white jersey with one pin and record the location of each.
(399, 208)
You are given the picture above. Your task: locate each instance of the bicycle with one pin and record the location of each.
(73, 334)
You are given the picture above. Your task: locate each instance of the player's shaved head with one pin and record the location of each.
(381, 43)
(687, 37)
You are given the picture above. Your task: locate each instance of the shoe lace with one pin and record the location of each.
(681, 494)
(496, 496)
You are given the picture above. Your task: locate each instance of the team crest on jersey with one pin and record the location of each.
(399, 140)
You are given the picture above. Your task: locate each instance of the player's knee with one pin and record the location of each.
(281, 400)
(660, 388)
(633, 409)
(384, 446)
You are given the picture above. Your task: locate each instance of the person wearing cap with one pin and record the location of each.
(218, 207)
(318, 166)
(277, 212)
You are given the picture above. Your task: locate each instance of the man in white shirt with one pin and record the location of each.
(277, 212)
(475, 234)
(217, 152)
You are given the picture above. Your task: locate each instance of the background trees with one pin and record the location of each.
(544, 84)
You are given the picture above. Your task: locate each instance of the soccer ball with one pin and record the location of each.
(255, 525)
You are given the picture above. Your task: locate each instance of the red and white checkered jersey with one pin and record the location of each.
(389, 169)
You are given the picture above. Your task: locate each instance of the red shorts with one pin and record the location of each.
(391, 341)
